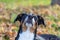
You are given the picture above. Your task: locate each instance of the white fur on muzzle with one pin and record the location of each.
(28, 25)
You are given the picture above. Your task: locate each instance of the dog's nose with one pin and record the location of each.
(29, 21)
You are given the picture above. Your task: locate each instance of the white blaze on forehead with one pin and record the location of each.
(26, 19)
(26, 23)
(33, 20)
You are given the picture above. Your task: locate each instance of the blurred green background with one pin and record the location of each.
(15, 3)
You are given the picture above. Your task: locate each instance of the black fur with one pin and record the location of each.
(35, 34)
(19, 17)
(19, 31)
(41, 20)
(49, 37)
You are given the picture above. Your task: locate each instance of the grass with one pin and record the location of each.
(13, 17)
(15, 3)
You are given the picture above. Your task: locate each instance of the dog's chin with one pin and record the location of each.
(28, 25)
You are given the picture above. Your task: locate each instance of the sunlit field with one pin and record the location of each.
(9, 9)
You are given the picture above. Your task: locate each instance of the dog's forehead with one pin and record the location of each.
(32, 16)
(28, 16)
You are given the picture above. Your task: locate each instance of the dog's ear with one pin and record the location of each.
(41, 20)
(19, 17)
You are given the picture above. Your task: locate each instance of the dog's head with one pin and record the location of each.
(30, 19)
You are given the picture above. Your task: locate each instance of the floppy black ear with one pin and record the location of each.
(40, 20)
(19, 17)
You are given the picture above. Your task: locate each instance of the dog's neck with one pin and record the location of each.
(26, 35)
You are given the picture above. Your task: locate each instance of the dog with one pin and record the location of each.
(49, 37)
(28, 28)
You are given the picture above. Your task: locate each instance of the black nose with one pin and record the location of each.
(29, 21)
(30, 17)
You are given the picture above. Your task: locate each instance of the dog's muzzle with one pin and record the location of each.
(28, 25)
